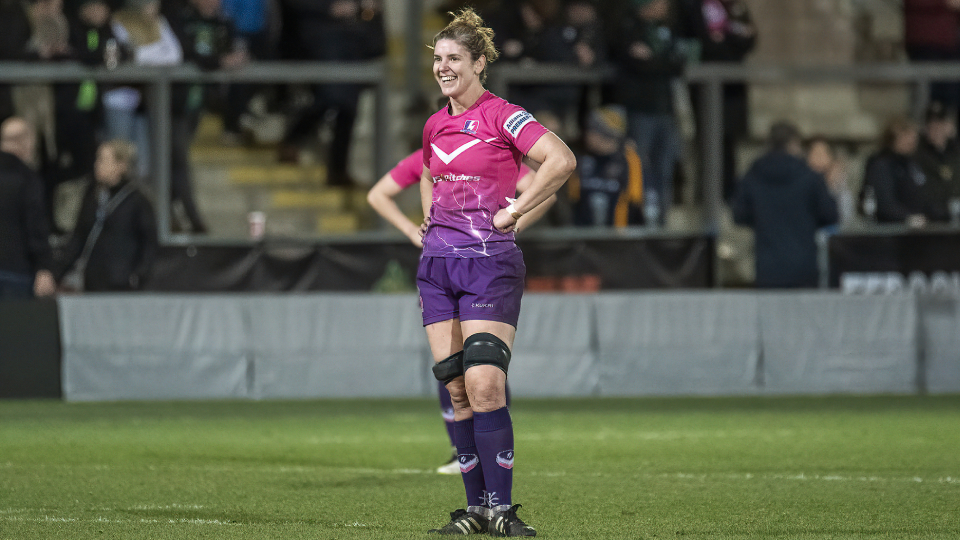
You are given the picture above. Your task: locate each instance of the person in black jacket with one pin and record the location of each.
(785, 202)
(895, 180)
(207, 38)
(547, 31)
(115, 241)
(77, 106)
(648, 58)
(725, 32)
(25, 255)
(938, 154)
(15, 35)
(337, 31)
(607, 187)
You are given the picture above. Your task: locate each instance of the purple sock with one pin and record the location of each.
(493, 432)
(446, 411)
(470, 469)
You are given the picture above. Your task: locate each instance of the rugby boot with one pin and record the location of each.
(506, 523)
(463, 522)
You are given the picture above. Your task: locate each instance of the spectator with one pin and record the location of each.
(649, 58)
(36, 102)
(140, 28)
(67, 112)
(17, 137)
(584, 28)
(20, 139)
(607, 187)
(92, 42)
(114, 243)
(25, 256)
(938, 154)
(725, 33)
(15, 33)
(894, 180)
(784, 201)
(822, 158)
(341, 31)
(208, 40)
(153, 41)
(251, 19)
(547, 31)
(78, 108)
(90, 32)
(931, 33)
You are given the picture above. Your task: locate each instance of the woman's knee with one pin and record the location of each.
(458, 394)
(486, 388)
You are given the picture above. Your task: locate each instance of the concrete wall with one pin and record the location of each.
(827, 33)
(612, 344)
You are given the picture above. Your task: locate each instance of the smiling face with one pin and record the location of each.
(455, 72)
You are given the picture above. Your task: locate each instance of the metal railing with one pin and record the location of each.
(711, 77)
(159, 81)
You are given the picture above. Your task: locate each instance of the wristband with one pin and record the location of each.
(512, 210)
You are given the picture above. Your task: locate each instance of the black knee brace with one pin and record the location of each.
(485, 348)
(449, 368)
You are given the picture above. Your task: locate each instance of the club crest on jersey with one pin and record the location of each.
(468, 462)
(470, 127)
(516, 122)
(504, 459)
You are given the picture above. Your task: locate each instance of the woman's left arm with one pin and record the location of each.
(531, 217)
(557, 163)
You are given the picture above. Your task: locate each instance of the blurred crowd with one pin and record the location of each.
(628, 141)
(648, 43)
(101, 133)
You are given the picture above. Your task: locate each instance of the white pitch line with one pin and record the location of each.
(319, 469)
(765, 476)
(167, 507)
(354, 524)
(603, 435)
(17, 514)
(54, 519)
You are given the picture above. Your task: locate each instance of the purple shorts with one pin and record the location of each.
(482, 288)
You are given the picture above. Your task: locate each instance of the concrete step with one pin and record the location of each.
(327, 199)
(338, 223)
(231, 155)
(277, 174)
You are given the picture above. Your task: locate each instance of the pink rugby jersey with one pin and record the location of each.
(407, 172)
(474, 159)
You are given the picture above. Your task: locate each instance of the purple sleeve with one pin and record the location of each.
(408, 171)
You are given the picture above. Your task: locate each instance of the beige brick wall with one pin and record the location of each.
(825, 33)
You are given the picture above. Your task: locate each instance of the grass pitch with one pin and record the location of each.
(779, 468)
